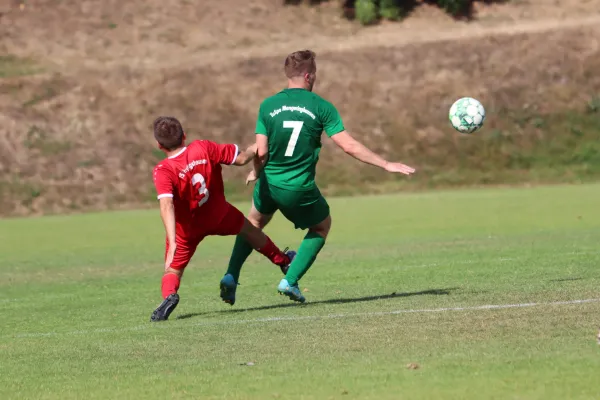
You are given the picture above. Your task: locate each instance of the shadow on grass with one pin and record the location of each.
(566, 279)
(429, 292)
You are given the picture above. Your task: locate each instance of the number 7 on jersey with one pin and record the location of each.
(296, 127)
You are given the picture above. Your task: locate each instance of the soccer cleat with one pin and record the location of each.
(293, 292)
(291, 255)
(228, 287)
(166, 308)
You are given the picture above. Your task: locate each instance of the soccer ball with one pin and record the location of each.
(467, 115)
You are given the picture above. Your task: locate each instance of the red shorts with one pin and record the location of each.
(230, 225)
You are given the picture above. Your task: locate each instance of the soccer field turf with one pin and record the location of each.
(493, 293)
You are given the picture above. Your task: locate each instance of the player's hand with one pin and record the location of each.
(399, 168)
(252, 177)
(170, 255)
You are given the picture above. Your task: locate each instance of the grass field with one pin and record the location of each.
(403, 279)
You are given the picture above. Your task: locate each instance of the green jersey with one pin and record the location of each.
(293, 121)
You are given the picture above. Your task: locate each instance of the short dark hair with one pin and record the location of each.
(299, 63)
(168, 132)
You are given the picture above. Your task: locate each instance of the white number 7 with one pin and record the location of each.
(296, 128)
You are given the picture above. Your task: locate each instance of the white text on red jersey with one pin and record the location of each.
(190, 166)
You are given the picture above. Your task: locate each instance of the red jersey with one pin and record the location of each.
(193, 178)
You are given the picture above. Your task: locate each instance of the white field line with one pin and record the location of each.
(171, 326)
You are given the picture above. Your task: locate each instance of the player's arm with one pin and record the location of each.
(244, 157)
(167, 214)
(229, 154)
(359, 151)
(262, 143)
(334, 128)
(262, 153)
(163, 182)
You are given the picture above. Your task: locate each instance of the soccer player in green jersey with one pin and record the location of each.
(288, 136)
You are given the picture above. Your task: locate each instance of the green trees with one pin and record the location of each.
(370, 11)
(389, 9)
(455, 7)
(366, 11)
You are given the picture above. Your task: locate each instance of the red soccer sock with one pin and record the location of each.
(170, 284)
(273, 253)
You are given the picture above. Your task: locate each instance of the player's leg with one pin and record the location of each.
(263, 244)
(261, 212)
(242, 248)
(315, 216)
(257, 218)
(235, 223)
(172, 277)
(311, 245)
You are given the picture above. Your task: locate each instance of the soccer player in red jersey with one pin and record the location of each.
(192, 200)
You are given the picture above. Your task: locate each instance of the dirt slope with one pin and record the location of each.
(84, 79)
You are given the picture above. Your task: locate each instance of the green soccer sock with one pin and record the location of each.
(241, 251)
(307, 254)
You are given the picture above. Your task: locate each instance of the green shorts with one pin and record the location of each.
(303, 208)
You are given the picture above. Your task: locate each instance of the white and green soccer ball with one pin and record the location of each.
(467, 115)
